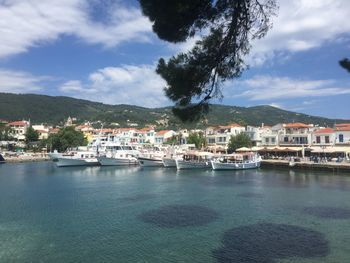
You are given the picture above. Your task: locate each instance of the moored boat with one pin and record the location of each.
(78, 159)
(169, 162)
(149, 162)
(151, 157)
(117, 155)
(236, 162)
(194, 160)
(54, 155)
(2, 160)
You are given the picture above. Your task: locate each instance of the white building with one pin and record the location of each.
(220, 135)
(164, 135)
(295, 134)
(43, 131)
(342, 134)
(323, 137)
(19, 129)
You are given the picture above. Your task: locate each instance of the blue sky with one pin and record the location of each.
(106, 51)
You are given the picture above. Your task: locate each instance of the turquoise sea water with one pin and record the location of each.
(108, 214)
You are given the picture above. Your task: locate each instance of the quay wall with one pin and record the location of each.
(330, 166)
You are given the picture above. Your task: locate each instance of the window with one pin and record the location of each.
(211, 140)
(273, 140)
(341, 138)
(318, 139)
(286, 139)
(326, 138)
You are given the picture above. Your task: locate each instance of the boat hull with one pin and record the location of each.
(2, 160)
(149, 162)
(65, 162)
(168, 162)
(234, 166)
(181, 164)
(54, 156)
(108, 161)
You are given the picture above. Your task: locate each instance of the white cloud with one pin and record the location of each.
(25, 24)
(265, 88)
(302, 25)
(20, 82)
(128, 84)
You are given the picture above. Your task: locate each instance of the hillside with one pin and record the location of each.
(54, 110)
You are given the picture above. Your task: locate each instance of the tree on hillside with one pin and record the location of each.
(31, 135)
(225, 30)
(198, 139)
(238, 141)
(345, 63)
(5, 133)
(66, 138)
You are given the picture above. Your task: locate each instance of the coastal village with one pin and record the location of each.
(281, 140)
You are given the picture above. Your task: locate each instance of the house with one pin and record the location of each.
(43, 131)
(295, 134)
(148, 134)
(163, 135)
(255, 134)
(19, 129)
(220, 135)
(323, 137)
(342, 135)
(269, 135)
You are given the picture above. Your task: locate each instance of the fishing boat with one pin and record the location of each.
(236, 161)
(151, 157)
(79, 158)
(54, 155)
(175, 152)
(2, 160)
(116, 155)
(194, 160)
(169, 162)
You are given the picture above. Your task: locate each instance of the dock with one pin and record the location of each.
(333, 167)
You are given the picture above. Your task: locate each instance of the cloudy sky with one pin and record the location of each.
(105, 50)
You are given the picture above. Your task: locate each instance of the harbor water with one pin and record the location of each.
(109, 214)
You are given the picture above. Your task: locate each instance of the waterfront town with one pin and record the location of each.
(280, 141)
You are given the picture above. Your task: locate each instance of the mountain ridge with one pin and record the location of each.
(55, 109)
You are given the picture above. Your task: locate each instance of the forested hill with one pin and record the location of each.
(53, 110)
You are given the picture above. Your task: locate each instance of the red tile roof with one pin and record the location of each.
(18, 123)
(345, 128)
(324, 130)
(343, 125)
(162, 132)
(54, 130)
(297, 125)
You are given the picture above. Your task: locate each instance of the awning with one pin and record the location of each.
(244, 149)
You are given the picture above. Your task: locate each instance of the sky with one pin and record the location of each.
(105, 51)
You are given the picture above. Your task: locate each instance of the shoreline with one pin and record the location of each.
(330, 166)
(26, 159)
(303, 165)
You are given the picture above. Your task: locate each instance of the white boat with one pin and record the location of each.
(236, 162)
(54, 155)
(2, 160)
(151, 157)
(144, 161)
(194, 160)
(116, 155)
(78, 159)
(169, 162)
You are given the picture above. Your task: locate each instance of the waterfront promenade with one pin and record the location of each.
(308, 165)
(35, 157)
